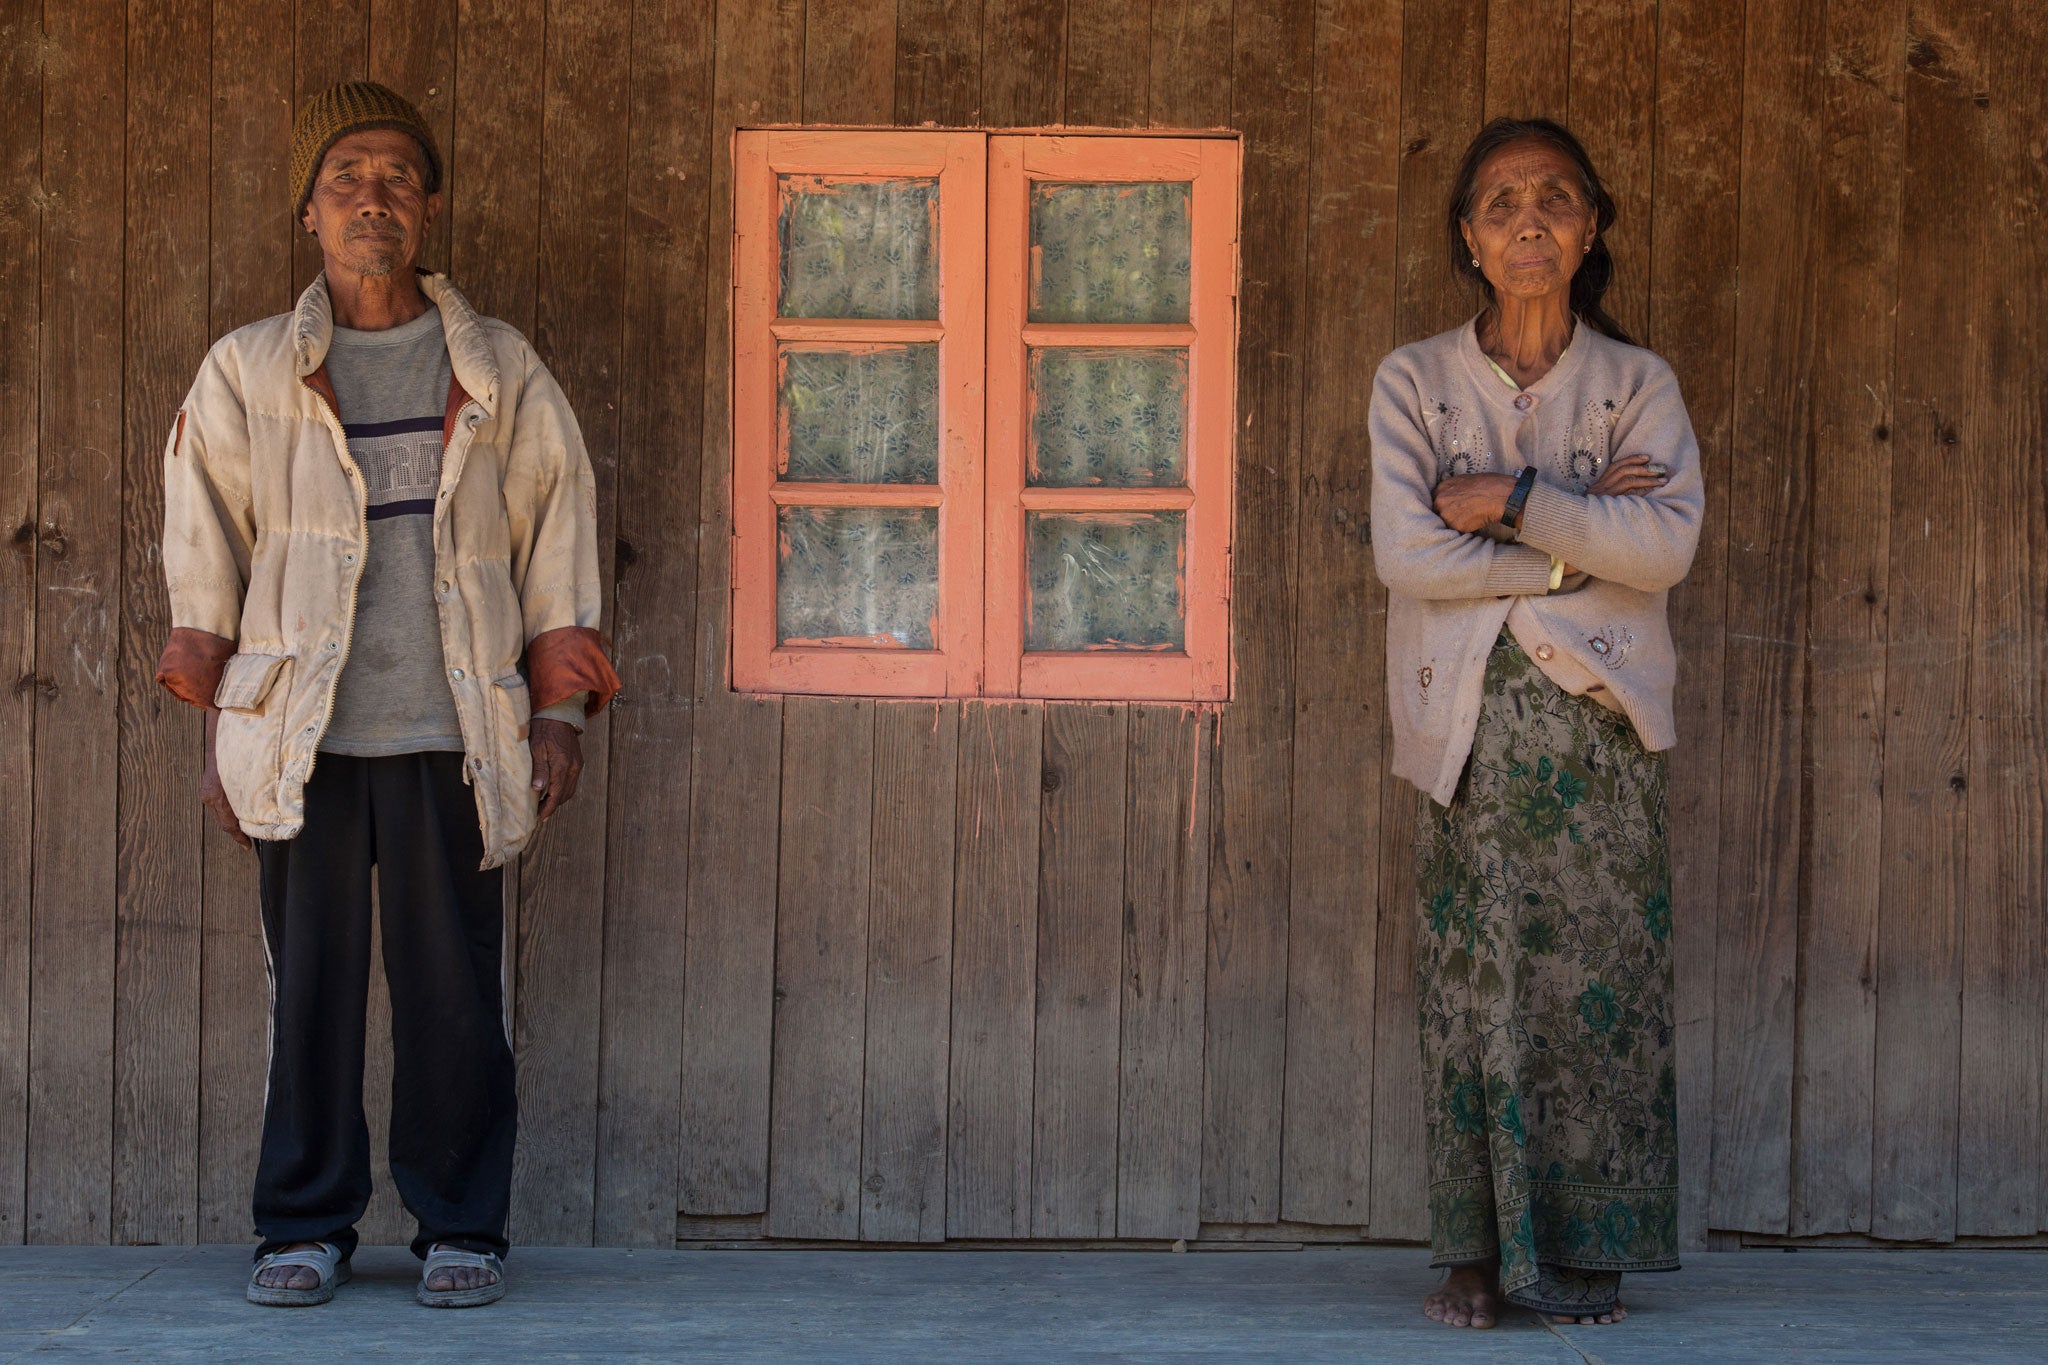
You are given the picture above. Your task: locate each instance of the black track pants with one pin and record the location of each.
(453, 1106)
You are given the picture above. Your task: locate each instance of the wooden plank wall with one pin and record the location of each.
(914, 971)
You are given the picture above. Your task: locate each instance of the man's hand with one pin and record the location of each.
(557, 762)
(1468, 502)
(214, 796)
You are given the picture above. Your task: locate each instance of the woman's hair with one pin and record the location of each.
(1596, 271)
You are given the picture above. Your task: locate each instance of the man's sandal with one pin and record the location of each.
(450, 1258)
(324, 1257)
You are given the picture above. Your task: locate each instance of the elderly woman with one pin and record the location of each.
(1536, 493)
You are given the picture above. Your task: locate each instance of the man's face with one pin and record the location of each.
(370, 207)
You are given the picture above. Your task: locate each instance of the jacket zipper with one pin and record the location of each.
(348, 633)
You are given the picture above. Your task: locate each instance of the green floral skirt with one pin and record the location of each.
(1543, 976)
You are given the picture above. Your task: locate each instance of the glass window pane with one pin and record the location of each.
(1106, 580)
(1114, 417)
(867, 414)
(859, 248)
(857, 575)
(1110, 252)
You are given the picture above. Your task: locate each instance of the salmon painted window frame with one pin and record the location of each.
(983, 413)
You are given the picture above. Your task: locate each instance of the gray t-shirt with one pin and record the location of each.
(393, 696)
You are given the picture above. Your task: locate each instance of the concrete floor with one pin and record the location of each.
(1330, 1304)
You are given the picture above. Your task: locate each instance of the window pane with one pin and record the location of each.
(859, 248)
(857, 575)
(1114, 417)
(868, 414)
(1110, 253)
(1106, 580)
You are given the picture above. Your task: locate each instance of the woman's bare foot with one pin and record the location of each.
(1468, 1297)
(1614, 1314)
(291, 1276)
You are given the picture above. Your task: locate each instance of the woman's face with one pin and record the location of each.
(1531, 222)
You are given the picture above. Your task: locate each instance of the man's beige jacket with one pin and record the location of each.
(265, 535)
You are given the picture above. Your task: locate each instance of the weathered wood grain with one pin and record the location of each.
(1764, 661)
(493, 154)
(938, 62)
(330, 43)
(1529, 59)
(1439, 114)
(250, 277)
(77, 662)
(1612, 109)
(1023, 78)
(561, 876)
(1692, 326)
(21, 213)
(2000, 1190)
(909, 972)
(1189, 63)
(736, 762)
(1172, 767)
(1340, 619)
(1079, 971)
(821, 955)
(1246, 1022)
(1863, 67)
(413, 51)
(849, 61)
(995, 937)
(1933, 559)
(654, 625)
(1106, 74)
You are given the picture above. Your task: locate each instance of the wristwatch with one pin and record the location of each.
(1512, 516)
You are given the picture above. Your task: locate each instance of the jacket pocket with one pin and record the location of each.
(513, 803)
(249, 742)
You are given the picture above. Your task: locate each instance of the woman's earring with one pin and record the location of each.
(1475, 262)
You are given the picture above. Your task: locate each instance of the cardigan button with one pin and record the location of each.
(1525, 401)
(1543, 652)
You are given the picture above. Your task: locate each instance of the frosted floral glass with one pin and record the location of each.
(1106, 579)
(857, 573)
(1110, 252)
(869, 415)
(1110, 417)
(859, 248)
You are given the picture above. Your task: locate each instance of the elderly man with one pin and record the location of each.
(380, 541)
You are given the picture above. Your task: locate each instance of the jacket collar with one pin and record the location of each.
(470, 354)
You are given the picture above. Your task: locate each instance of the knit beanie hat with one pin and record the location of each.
(347, 108)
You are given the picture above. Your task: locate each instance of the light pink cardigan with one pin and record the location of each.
(1439, 409)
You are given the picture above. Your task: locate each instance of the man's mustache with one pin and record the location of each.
(356, 230)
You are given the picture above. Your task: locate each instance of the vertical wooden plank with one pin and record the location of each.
(1079, 971)
(995, 937)
(412, 49)
(849, 61)
(71, 946)
(1188, 70)
(330, 44)
(2005, 995)
(1244, 1061)
(1106, 84)
(938, 62)
(562, 874)
(157, 930)
(1438, 117)
(1025, 86)
(1339, 637)
(1529, 51)
(1692, 325)
(1166, 871)
(654, 625)
(21, 131)
(821, 951)
(1857, 265)
(910, 961)
(493, 152)
(1942, 288)
(250, 273)
(1612, 99)
(1765, 670)
(729, 953)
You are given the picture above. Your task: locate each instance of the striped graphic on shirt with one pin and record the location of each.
(400, 462)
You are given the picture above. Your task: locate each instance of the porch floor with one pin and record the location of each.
(1319, 1304)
